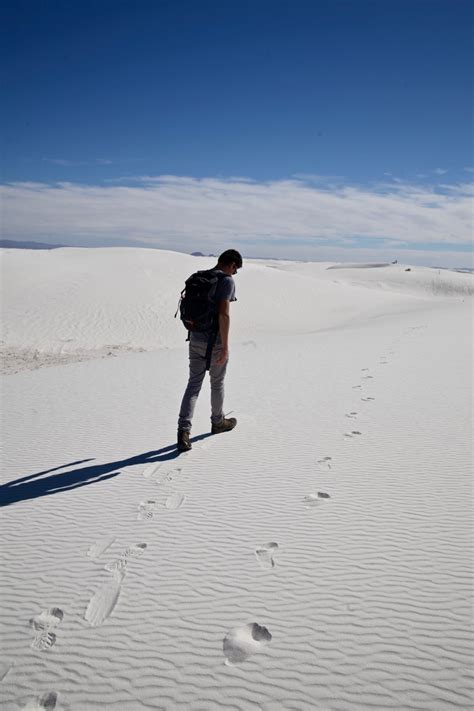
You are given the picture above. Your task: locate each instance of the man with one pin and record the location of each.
(228, 264)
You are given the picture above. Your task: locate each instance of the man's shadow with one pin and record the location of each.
(31, 486)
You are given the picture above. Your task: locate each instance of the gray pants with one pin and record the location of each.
(197, 371)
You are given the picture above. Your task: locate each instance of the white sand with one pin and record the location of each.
(317, 557)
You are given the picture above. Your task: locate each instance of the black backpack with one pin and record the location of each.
(197, 306)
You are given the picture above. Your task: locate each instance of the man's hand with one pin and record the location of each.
(223, 356)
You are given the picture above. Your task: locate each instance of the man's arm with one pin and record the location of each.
(224, 326)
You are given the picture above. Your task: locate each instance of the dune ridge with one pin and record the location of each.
(104, 303)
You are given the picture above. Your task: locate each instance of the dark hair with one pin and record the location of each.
(230, 256)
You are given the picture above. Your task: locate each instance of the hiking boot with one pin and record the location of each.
(224, 425)
(184, 444)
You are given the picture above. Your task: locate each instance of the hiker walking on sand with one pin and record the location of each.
(204, 308)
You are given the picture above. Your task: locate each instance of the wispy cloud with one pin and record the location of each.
(314, 178)
(69, 163)
(181, 212)
(440, 171)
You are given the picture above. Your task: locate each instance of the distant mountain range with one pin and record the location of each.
(12, 244)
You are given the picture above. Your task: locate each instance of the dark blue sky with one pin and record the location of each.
(264, 89)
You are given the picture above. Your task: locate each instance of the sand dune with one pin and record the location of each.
(317, 557)
(103, 303)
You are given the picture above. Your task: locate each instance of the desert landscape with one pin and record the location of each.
(317, 557)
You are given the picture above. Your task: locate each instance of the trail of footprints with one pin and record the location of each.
(149, 508)
(105, 599)
(239, 643)
(312, 500)
(353, 414)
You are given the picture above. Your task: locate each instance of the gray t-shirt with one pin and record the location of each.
(225, 290)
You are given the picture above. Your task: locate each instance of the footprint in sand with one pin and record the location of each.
(351, 415)
(265, 553)
(47, 702)
(100, 546)
(313, 500)
(44, 641)
(325, 462)
(368, 377)
(166, 477)
(121, 562)
(174, 501)
(102, 603)
(146, 510)
(367, 399)
(151, 470)
(241, 642)
(43, 623)
(356, 387)
(365, 370)
(354, 433)
(47, 619)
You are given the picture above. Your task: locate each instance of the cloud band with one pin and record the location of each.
(170, 210)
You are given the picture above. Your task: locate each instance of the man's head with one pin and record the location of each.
(230, 261)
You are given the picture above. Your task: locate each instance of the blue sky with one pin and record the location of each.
(328, 97)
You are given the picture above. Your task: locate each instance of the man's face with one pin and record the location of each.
(235, 269)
